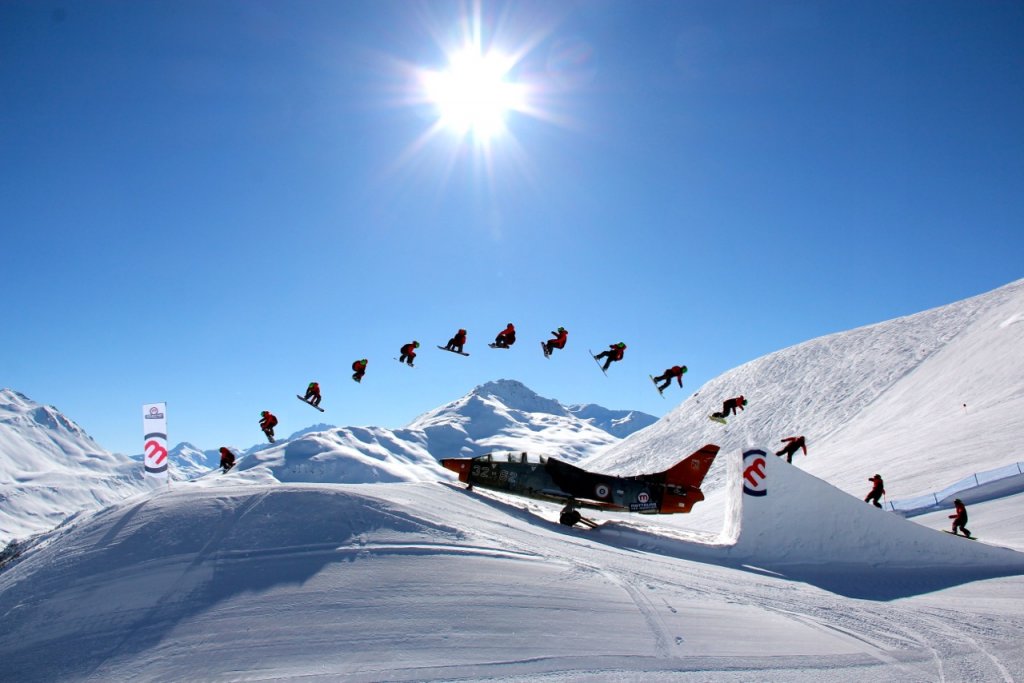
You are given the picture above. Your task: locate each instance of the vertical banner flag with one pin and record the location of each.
(154, 426)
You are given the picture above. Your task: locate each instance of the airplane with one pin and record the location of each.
(676, 490)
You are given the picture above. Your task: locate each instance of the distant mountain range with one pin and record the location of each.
(50, 468)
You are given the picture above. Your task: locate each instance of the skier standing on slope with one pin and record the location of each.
(267, 424)
(614, 353)
(793, 444)
(960, 518)
(227, 459)
(505, 338)
(409, 353)
(312, 394)
(457, 342)
(877, 491)
(676, 372)
(558, 342)
(359, 369)
(730, 405)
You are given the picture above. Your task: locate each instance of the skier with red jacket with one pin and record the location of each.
(614, 353)
(558, 342)
(793, 444)
(227, 459)
(675, 372)
(877, 490)
(409, 353)
(505, 338)
(312, 396)
(730, 405)
(359, 369)
(267, 424)
(457, 342)
(960, 518)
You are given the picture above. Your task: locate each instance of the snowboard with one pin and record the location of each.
(461, 353)
(308, 403)
(495, 346)
(660, 392)
(357, 381)
(404, 363)
(544, 349)
(598, 362)
(270, 437)
(717, 419)
(973, 538)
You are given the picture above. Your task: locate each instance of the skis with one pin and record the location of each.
(308, 403)
(598, 362)
(660, 392)
(443, 348)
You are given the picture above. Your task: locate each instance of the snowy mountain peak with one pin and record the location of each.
(18, 409)
(518, 396)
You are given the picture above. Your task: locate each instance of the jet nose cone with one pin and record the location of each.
(456, 465)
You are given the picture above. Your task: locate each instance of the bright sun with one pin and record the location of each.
(473, 94)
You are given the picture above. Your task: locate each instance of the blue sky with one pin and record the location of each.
(213, 203)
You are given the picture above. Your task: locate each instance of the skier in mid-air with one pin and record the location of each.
(227, 459)
(877, 490)
(558, 342)
(675, 372)
(457, 342)
(267, 424)
(409, 353)
(505, 338)
(359, 369)
(793, 444)
(614, 353)
(730, 405)
(960, 518)
(312, 396)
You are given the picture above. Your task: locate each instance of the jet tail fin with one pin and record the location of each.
(691, 471)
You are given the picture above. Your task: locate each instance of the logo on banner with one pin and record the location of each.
(156, 450)
(754, 464)
(154, 414)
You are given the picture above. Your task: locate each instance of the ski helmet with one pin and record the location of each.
(684, 368)
(264, 414)
(364, 361)
(561, 329)
(416, 345)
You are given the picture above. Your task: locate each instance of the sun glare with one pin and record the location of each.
(474, 95)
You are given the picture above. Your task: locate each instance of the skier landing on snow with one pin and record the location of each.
(877, 491)
(730, 405)
(793, 444)
(960, 518)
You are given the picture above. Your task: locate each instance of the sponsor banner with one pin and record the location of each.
(754, 468)
(154, 427)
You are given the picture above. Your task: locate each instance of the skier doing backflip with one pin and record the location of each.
(359, 369)
(675, 372)
(793, 444)
(457, 342)
(960, 518)
(227, 459)
(409, 353)
(877, 490)
(730, 405)
(614, 353)
(558, 342)
(267, 424)
(312, 396)
(505, 338)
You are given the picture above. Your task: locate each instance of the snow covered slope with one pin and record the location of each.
(620, 423)
(888, 398)
(50, 468)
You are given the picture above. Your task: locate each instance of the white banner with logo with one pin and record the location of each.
(154, 426)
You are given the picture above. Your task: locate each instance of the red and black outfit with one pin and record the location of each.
(730, 405)
(960, 518)
(358, 370)
(793, 444)
(877, 491)
(615, 352)
(676, 371)
(408, 353)
(558, 342)
(506, 337)
(267, 423)
(227, 459)
(313, 394)
(457, 342)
